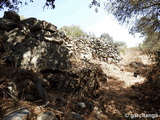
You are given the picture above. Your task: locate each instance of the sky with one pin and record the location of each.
(77, 12)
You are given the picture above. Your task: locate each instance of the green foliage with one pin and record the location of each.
(15, 4)
(107, 37)
(91, 35)
(151, 42)
(120, 45)
(73, 31)
(141, 15)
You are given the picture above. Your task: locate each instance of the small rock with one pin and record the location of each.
(75, 116)
(46, 116)
(81, 105)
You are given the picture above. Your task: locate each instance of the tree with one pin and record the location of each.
(107, 37)
(73, 31)
(151, 42)
(15, 4)
(143, 16)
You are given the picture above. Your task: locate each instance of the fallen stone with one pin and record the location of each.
(83, 107)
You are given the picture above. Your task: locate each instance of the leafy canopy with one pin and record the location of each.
(143, 16)
(134, 11)
(73, 31)
(107, 37)
(15, 4)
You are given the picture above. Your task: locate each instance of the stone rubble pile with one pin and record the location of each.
(93, 48)
(33, 44)
(38, 45)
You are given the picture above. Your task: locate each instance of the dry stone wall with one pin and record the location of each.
(38, 45)
(34, 44)
(93, 48)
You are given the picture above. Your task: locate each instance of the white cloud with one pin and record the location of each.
(118, 32)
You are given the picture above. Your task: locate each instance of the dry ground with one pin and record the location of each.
(120, 98)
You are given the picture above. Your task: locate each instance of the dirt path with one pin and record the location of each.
(119, 101)
(117, 72)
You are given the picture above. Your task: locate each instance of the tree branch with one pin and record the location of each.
(156, 4)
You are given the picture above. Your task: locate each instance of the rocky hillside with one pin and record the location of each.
(46, 75)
